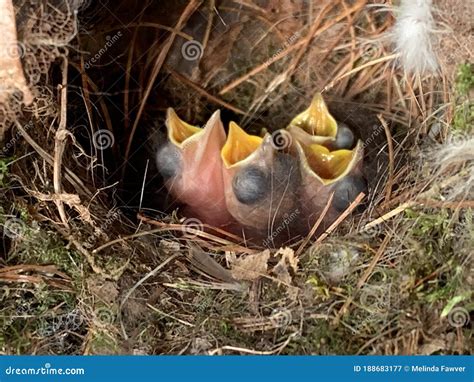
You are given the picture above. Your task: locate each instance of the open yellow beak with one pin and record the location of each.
(328, 165)
(178, 130)
(239, 145)
(192, 167)
(316, 120)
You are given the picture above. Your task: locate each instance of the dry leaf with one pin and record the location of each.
(205, 263)
(169, 246)
(288, 261)
(250, 267)
(432, 347)
(288, 255)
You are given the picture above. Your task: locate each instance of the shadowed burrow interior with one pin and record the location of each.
(188, 75)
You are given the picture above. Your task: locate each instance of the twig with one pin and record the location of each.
(256, 352)
(180, 227)
(441, 204)
(170, 316)
(391, 166)
(204, 92)
(388, 215)
(261, 67)
(59, 143)
(338, 221)
(125, 238)
(359, 68)
(70, 176)
(291, 48)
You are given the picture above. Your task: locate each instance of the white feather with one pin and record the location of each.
(413, 35)
(457, 152)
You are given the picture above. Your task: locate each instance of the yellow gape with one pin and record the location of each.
(178, 130)
(239, 145)
(329, 165)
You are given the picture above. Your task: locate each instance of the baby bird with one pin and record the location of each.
(248, 184)
(191, 166)
(330, 162)
(259, 181)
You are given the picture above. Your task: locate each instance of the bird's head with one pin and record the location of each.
(259, 180)
(330, 159)
(191, 165)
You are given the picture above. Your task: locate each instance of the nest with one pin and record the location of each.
(93, 262)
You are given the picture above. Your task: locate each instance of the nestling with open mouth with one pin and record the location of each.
(247, 184)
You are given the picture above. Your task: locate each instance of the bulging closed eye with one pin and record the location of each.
(250, 185)
(344, 139)
(347, 190)
(168, 160)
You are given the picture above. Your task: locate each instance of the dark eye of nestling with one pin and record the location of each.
(168, 160)
(250, 185)
(347, 190)
(344, 139)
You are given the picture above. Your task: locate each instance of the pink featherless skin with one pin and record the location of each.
(199, 184)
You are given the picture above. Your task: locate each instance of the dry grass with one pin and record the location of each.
(90, 264)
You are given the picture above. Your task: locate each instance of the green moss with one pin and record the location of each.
(4, 162)
(319, 337)
(465, 79)
(103, 342)
(463, 120)
(30, 313)
(39, 246)
(436, 264)
(38, 308)
(432, 230)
